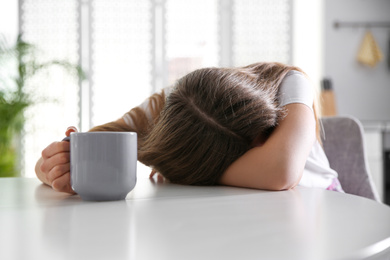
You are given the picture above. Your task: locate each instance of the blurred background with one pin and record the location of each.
(128, 49)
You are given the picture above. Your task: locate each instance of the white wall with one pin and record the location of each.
(360, 91)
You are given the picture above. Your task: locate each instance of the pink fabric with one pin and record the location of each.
(336, 186)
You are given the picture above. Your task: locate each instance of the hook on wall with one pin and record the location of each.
(338, 24)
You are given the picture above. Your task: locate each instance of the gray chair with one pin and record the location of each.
(343, 142)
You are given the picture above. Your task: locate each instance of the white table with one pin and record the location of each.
(166, 221)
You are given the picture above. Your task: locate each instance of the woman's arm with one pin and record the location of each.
(53, 168)
(278, 164)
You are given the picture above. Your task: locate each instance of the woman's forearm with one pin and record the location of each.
(279, 163)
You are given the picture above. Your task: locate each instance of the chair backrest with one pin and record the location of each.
(343, 142)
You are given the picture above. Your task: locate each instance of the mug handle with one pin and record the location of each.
(66, 139)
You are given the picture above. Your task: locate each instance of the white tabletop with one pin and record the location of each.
(166, 221)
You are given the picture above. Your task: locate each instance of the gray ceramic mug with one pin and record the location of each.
(103, 164)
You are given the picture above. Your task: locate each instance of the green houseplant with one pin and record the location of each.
(19, 65)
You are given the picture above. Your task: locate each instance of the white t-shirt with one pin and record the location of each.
(295, 88)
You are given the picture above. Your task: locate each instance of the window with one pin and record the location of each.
(53, 27)
(130, 49)
(121, 57)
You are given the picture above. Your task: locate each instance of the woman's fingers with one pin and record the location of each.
(55, 148)
(70, 129)
(56, 160)
(62, 184)
(152, 173)
(57, 171)
(160, 178)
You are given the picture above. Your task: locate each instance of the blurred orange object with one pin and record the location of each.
(327, 99)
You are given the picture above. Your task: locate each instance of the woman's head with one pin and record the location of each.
(210, 119)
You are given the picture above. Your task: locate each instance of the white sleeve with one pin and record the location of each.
(296, 88)
(145, 107)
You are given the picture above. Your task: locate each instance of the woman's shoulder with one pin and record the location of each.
(295, 73)
(295, 78)
(296, 88)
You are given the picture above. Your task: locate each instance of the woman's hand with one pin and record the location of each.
(160, 178)
(53, 168)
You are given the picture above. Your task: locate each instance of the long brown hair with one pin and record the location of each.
(210, 119)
